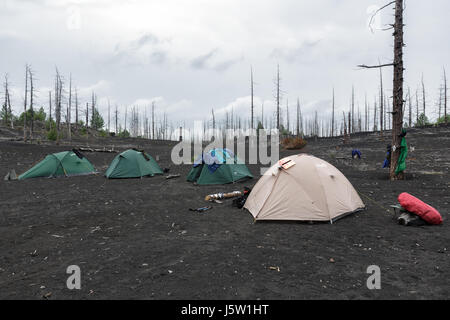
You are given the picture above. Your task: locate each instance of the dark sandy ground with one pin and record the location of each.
(136, 239)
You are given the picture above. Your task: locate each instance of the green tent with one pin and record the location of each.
(218, 166)
(67, 163)
(132, 164)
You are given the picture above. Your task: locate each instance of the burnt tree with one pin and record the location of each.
(397, 112)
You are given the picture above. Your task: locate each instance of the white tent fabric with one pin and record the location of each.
(310, 190)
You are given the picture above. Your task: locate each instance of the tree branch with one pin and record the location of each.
(374, 67)
(376, 12)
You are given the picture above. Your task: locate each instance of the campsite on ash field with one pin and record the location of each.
(137, 239)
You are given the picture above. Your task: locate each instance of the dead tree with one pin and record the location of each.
(382, 111)
(375, 127)
(7, 110)
(397, 123)
(69, 109)
(298, 117)
(278, 96)
(213, 119)
(252, 106)
(287, 116)
(125, 121)
(116, 119)
(76, 108)
(87, 120)
(32, 95)
(153, 120)
(366, 115)
(417, 108)
(332, 116)
(94, 111)
(50, 108)
(423, 98)
(87, 116)
(262, 114)
(445, 98)
(58, 100)
(345, 127)
(25, 105)
(410, 108)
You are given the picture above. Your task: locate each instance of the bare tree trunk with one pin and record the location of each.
(69, 109)
(445, 98)
(382, 111)
(287, 116)
(117, 113)
(50, 108)
(30, 72)
(278, 97)
(410, 109)
(25, 106)
(375, 127)
(126, 113)
(252, 106)
(298, 117)
(366, 116)
(417, 108)
(76, 108)
(332, 116)
(397, 123)
(7, 104)
(87, 121)
(424, 98)
(213, 119)
(153, 120)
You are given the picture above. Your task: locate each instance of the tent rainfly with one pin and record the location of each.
(303, 188)
(132, 164)
(67, 163)
(218, 166)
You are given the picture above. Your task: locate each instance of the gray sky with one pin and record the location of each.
(191, 56)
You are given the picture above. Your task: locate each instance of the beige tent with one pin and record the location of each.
(304, 188)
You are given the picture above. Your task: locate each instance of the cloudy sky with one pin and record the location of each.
(192, 56)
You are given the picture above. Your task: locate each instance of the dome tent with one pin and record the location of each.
(303, 188)
(67, 163)
(218, 166)
(132, 164)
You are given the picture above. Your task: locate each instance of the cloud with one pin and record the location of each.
(146, 49)
(296, 53)
(200, 62)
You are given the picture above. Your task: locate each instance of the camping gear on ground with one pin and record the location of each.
(67, 163)
(356, 154)
(11, 175)
(312, 190)
(221, 196)
(406, 218)
(172, 176)
(201, 209)
(401, 164)
(132, 164)
(240, 202)
(218, 166)
(420, 208)
(387, 161)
